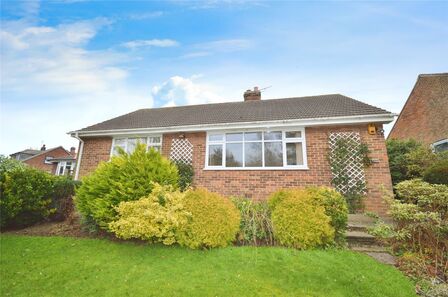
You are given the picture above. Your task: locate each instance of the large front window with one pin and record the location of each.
(256, 149)
(128, 144)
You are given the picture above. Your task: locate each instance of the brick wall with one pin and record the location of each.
(258, 184)
(96, 150)
(424, 116)
(39, 161)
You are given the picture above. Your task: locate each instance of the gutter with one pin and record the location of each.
(381, 118)
(81, 147)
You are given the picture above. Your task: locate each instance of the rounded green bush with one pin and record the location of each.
(25, 196)
(299, 220)
(214, 220)
(126, 177)
(335, 207)
(437, 173)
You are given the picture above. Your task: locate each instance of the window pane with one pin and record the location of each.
(215, 155)
(132, 143)
(119, 142)
(294, 153)
(154, 139)
(215, 137)
(234, 137)
(293, 134)
(273, 155)
(273, 135)
(234, 155)
(156, 147)
(253, 154)
(252, 136)
(441, 147)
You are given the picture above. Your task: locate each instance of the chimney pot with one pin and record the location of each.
(250, 95)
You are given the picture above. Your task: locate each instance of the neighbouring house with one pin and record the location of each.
(57, 161)
(425, 115)
(250, 148)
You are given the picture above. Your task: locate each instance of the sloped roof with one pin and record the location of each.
(322, 106)
(28, 152)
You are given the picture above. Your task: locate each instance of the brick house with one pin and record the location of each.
(57, 160)
(425, 115)
(250, 148)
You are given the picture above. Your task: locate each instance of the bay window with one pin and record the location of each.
(128, 144)
(275, 149)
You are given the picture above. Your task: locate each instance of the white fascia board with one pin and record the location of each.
(348, 120)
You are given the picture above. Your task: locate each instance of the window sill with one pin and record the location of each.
(254, 168)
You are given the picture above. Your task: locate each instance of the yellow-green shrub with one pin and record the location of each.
(155, 218)
(299, 220)
(335, 207)
(214, 220)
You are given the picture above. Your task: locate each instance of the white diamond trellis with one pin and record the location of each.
(181, 150)
(348, 168)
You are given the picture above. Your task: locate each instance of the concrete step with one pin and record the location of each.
(359, 238)
(384, 258)
(368, 248)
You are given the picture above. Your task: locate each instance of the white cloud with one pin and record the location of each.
(51, 84)
(150, 43)
(179, 90)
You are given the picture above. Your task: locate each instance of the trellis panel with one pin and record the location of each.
(352, 164)
(181, 151)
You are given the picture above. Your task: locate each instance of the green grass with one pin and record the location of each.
(57, 266)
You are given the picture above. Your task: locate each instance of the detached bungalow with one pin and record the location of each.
(254, 147)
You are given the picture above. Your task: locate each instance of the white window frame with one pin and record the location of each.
(148, 144)
(437, 143)
(63, 164)
(284, 140)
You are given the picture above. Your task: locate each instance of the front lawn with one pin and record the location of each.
(57, 266)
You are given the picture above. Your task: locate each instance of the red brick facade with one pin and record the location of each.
(39, 160)
(258, 184)
(425, 114)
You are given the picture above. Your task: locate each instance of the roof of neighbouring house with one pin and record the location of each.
(28, 152)
(323, 106)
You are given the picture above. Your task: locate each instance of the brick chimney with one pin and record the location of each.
(250, 95)
(73, 151)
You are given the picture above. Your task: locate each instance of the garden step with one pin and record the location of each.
(368, 248)
(359, 237)
(385, 258)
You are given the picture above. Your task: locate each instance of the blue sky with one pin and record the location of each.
(67, 64)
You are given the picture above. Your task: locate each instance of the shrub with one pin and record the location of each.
(214, 220)
(26, 197)
(62, 197)
(256, 226)
(421, 224)
(437, 173)
(335, 207)
(127, 177)
(299, 221)
(409, 159)
(186, 174)
(155, 218)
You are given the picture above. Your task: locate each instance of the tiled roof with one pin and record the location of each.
(323, 106)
